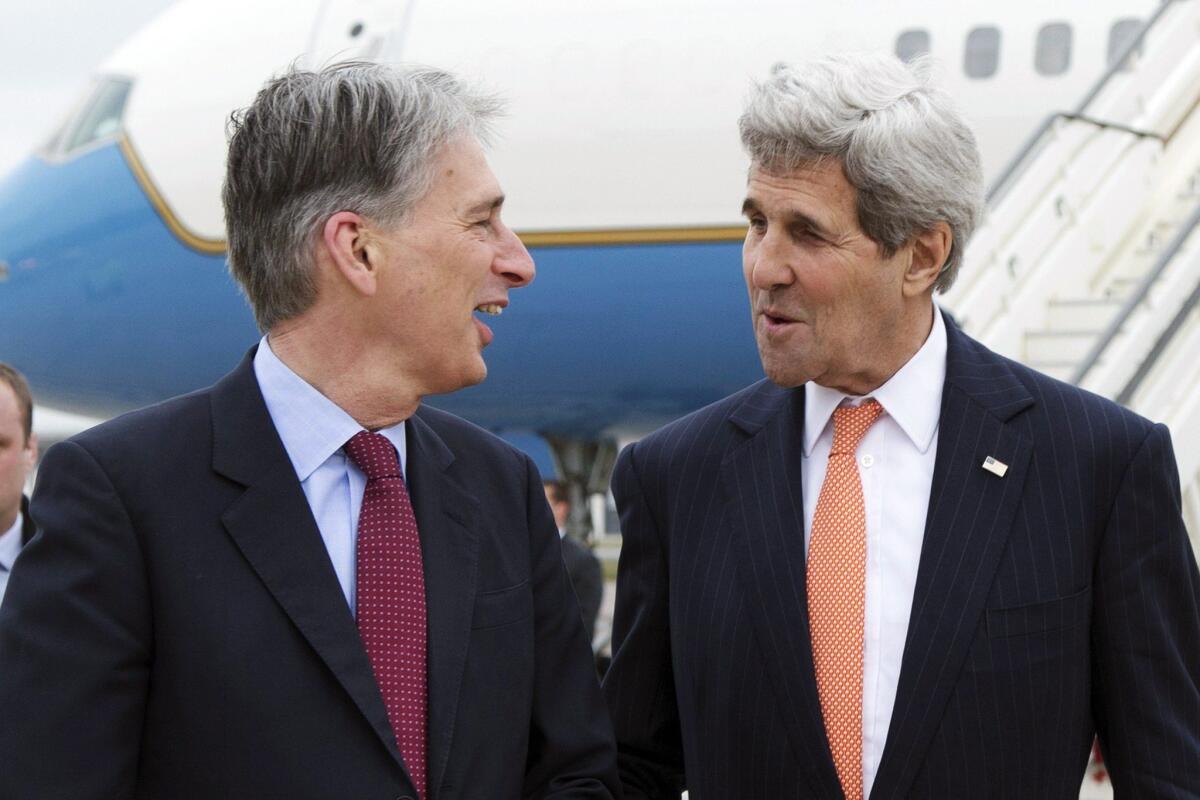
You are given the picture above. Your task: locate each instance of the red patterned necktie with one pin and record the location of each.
(837, 568)
(390, 596)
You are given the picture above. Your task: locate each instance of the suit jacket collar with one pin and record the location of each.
(969, 517)
(273, 527)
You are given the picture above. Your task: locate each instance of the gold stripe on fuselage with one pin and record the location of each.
(567, 238)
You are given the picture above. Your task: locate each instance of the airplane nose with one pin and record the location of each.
(99, 298)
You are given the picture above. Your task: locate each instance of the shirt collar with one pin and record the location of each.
(10, 543)
(912, 397)
(311, 426)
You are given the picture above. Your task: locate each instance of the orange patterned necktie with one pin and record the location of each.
(837, 570)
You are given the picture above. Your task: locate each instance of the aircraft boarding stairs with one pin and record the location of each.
(1087, 266)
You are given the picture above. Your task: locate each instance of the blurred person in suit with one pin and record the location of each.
(582, 565)
(18, 454)
(300, 582)
(902, 566)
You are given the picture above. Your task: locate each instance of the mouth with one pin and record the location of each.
(774, 321)
(492, 310)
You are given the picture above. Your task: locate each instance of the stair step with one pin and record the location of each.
(1052, 347)
(1081, 314)
(1122, 287)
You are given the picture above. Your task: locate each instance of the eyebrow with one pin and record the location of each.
(487, 205)
(793, 217)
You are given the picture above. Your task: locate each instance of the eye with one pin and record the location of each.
(806, 234)
(757, 223)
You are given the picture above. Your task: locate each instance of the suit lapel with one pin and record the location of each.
(273, 527)
(970, 515)
(447, 515)
(27, 526)
(765, 515)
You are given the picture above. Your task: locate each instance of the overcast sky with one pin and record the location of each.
(48, 51)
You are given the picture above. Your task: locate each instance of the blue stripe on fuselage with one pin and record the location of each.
(105, 309)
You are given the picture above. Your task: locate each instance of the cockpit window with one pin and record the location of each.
(97, 118)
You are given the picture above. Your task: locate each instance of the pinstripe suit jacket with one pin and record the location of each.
(1055, 602)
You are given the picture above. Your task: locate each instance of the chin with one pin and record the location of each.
(473, 374)
(447, 382)
(782, 372)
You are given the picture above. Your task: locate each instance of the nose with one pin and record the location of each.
(513, 262)
(768, 262)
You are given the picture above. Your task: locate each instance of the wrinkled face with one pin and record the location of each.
(17, 455)
(823, 299)
(448, 263)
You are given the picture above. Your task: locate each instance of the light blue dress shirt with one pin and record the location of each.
(313, 430)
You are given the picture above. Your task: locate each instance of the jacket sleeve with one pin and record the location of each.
(1146, 633)
(639, 686)
(75, 641)
(571, 749)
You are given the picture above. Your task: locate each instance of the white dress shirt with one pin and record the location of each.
(10, 547)
(895, 463)
(313, 430)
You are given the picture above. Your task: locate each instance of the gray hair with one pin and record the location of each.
(354, 136)
(901, 144)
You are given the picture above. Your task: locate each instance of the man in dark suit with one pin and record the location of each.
(18, 454)
(297, 583)
(903, 566)
(582, 565)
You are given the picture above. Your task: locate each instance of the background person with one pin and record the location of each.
(582, 565)
(18, 455)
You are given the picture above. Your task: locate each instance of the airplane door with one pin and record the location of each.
(354, 29)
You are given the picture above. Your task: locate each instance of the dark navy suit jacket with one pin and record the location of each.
(1056, 602)
(587, 577)
(27, 526)
(175, 629)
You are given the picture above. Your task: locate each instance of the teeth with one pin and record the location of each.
(492, 309)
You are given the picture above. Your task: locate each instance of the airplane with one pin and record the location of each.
(620, 159)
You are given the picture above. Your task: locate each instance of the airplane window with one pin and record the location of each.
(1053, 53)
(982, 56)
(911, 44)
(1123, 32)
(99, 117)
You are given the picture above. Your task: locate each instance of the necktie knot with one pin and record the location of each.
(374, 455)
(850, 425)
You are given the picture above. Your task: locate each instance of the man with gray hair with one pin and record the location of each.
(299, 583)
(902, 566)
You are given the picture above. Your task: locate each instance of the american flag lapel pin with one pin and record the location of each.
(994, 466)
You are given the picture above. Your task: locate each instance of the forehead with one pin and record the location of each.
(461, 176)
(10, 409)
(819, 190)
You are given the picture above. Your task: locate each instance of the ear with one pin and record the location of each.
(930, 249)
(349, 245)
(31, 450)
